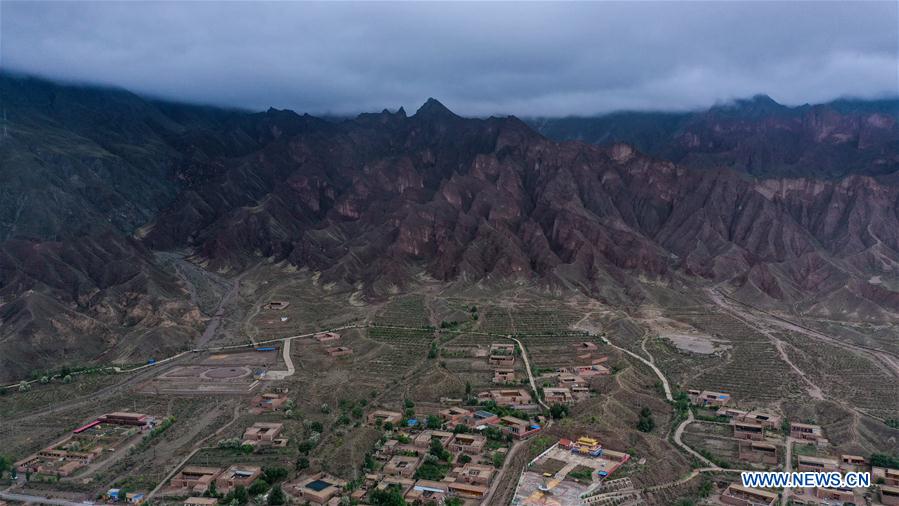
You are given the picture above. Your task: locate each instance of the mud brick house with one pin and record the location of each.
(454, 416)
(708, 398)
(737, 495)
(518, 428)
(807, 432)
(759, 452)
(237, 475)
(817, 464)
(401, 465)
(195, 479)
(471, 444)
(384, 416)
(262, 432)
(504, 375)
(559, 395)
(748, 430)
(423, 440)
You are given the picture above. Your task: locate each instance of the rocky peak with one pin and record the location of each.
(433, 109)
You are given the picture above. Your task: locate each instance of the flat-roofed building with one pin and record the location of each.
(764, 418)
(468, 490)
(737, 495)
(507, 396)
(327, 337)
(383, 416)
(235, 475)
(427, 492)
(731, 412)
(482, 418)
(126, 418)
(759, 452)
(263, 432)
(339, 351)
(403, 484)
(589, 371)
(518, 428)
(886, 475)
(748, 430)
(401, 465)
(270, 401)
(852, 463)
(477, 474)
(504, 375)
(471, 444)
(568, 380)
(502, 355)
(454, 416)
(708, 398)
(835, 495)
(195, 479)
(557, 395)
(580, 393)
(423, 440)
(889, 495)
(806, 431)
(807, 463)
(318, 488)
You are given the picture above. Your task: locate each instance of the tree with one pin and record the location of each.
(390, 496)
(434, 422)
(646, 423)
(463, 459)
(368, 463)
(705, 489)
(438, 451)
(558, 411)
(388, 426)
(212, 491)
(258, 487)
(467, 388)
(276, 496)
(240, 495)
(302, 463)
(884, 460)
(274, 473)
(316, 427)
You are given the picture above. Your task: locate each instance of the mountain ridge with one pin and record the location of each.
(372, 201)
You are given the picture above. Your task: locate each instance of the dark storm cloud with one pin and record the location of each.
(526, 59)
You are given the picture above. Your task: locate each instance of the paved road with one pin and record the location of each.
(280, 375)
(527, 366)
(678, 434)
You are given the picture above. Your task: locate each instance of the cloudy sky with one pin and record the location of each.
(517, 58)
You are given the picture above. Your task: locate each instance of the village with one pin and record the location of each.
(454, 450)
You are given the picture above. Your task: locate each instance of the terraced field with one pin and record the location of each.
(845, 375)
(751, 370)
(405, 311)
